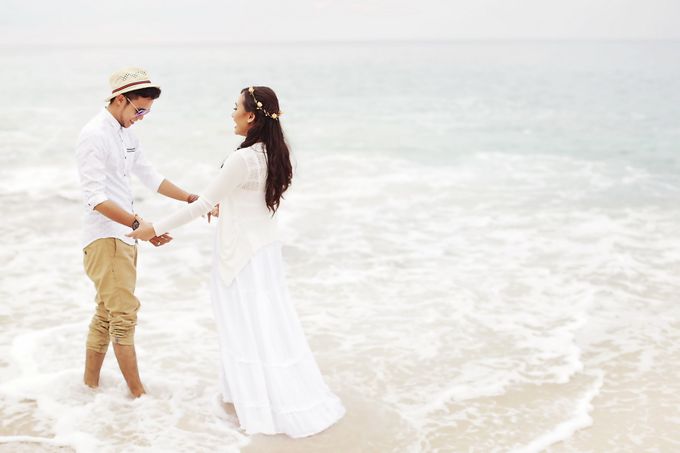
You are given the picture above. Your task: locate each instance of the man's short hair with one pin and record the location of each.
(149, 93)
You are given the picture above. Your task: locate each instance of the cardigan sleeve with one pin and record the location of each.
(232, 174)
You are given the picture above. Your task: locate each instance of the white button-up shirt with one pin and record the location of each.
(107, 154)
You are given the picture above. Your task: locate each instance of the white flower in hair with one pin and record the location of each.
(259, 104)
(251, 90)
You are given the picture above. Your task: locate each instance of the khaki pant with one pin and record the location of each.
(111, 264)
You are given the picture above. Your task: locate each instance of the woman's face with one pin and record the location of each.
(242, 119)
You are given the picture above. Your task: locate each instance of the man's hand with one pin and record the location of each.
(144, 231)
(163, 239)
(192, 197)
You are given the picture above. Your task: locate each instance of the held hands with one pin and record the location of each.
(145, 232)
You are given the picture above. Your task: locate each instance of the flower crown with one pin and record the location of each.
(258, 104)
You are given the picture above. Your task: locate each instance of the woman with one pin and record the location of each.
(268, 371)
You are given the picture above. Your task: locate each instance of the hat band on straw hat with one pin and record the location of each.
(129, 85)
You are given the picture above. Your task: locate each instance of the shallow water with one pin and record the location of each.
(481, 242)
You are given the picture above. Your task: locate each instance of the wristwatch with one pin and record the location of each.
(135, 225)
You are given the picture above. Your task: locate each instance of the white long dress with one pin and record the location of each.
(267, 369)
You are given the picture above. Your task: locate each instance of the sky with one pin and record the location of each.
(170, 21)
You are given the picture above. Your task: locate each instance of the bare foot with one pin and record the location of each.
(138, 391)
(231, 410)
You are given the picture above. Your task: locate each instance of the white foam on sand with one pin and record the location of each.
(579, 419)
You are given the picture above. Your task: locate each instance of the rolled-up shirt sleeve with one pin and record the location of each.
(92, 170)
(143, 170)
(233, 173)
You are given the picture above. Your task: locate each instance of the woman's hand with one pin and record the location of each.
(214, 213)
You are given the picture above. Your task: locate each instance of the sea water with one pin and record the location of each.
(481, 241)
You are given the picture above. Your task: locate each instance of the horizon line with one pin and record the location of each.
(225, 42)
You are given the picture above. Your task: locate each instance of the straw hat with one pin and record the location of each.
(128, 79)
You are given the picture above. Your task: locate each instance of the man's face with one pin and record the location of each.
(134, 110)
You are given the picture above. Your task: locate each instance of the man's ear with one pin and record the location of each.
(120, 99)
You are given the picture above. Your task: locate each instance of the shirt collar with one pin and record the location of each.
(110, 120)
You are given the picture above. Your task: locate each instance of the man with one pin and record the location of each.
(108, 154)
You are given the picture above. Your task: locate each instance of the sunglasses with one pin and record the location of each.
(138, 112)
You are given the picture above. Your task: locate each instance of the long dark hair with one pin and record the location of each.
(266, 128)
